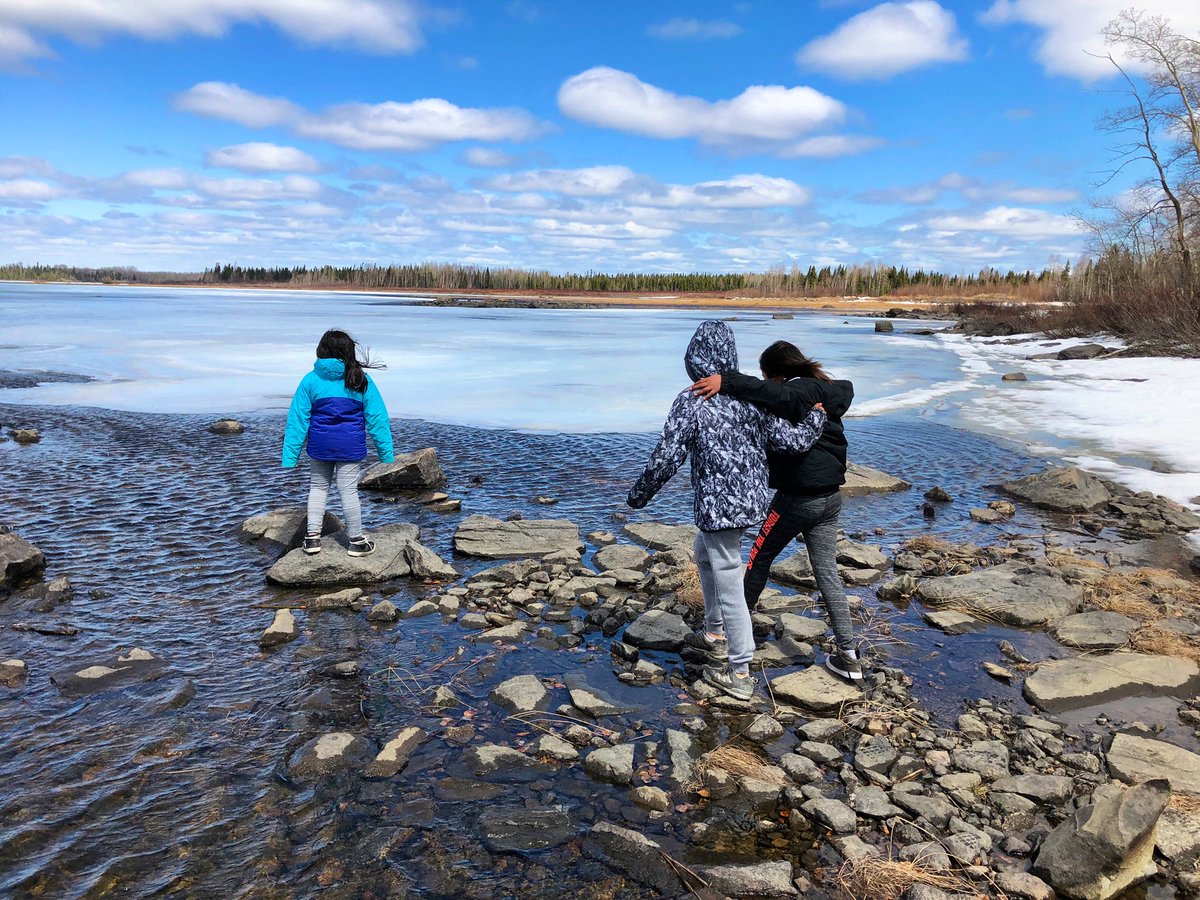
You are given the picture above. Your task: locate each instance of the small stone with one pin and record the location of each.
(227, 426)
(938, 495)
(383, 611)
(12, 672)
(1013, 376)
(611, 764)
(652, 798)
(521, 694)
(833, 814)
(281, 630)
(395, 753)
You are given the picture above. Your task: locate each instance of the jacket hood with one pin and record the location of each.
(331, 369)
(838, 397)
(711, 350)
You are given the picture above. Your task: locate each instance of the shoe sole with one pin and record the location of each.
(359, 552)
(312, 552)
(841, 673)
(727, 691)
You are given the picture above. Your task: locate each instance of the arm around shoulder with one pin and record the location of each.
(790, 399)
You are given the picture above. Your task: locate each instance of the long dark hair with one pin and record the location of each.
(337, 344)
(786, 360)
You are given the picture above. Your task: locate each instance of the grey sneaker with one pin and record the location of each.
(312, 544)
(845, 665)
(718, 651)
(729, 684)
(360, 546)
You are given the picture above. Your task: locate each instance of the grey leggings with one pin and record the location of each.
(345, 474)
(719, 561)
(816, 520)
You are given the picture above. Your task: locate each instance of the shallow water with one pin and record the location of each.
(142, 792)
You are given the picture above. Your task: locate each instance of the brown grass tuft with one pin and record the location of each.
(736, 759)
(689, 591)
(1164, 642)
(1185, 803)
(926, 544)
(1141, 593)
(880, 878)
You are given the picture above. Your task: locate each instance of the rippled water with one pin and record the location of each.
(141, 791)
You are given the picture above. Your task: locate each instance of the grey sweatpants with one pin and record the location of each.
(345, 474)
(719, 560)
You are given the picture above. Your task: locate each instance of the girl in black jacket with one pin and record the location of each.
(807, 500)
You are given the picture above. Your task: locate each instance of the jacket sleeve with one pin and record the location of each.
(297, 425)
(791, 400)
(669, 454)
(784, 437)
(378, 424)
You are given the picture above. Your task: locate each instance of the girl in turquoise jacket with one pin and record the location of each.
(334, 408)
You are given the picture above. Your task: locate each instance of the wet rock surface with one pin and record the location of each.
(334, 567)
(489, 538)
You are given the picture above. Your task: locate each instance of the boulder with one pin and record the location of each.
(521, 694)
(1012, 593)
(424, 563)
(657, 536)
(633, 855)
(556, 748)
(281, 630)
(762, 879)
(108, 671)
(883, 326)
(1064, 684)
(611, 764)
(796, 570)
(332, 567)
(621, 556)
(814, 688)
(489, 538)
(862, 480)
(592, 701)
(801, 628)
(518, 829)
(25, 436)
(329, 754)
(383, 611)
(1063, 489)
(19, 562)
(657, 629)
(227, 426)
(1095, 630)
(861, 556)
(282, 530)
(12, 673)
(1135, 759)
(1106, 846)
(395, 754)
(1051, 790)
(418, 471)
(1082, 351)
(502, 763)
(1013, 376)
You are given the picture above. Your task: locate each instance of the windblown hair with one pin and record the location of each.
(337, 344)
(786, 360)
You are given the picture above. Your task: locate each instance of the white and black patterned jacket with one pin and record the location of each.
(727, 440)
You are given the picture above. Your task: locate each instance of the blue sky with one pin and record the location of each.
(617, 136)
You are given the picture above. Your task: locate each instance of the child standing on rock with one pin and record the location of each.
(728, 442)
(334, 408)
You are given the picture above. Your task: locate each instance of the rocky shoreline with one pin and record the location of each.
(836, 789)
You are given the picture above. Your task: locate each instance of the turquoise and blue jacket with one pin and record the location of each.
(335, 419)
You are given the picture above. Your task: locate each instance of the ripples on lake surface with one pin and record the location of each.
(138, 792)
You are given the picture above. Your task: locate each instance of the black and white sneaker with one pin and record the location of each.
(729, 684)
(360, 546)
(312, 544)
(845, 665)
(718, 651)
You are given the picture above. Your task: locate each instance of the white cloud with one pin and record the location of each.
(1012, 221)
(886, 40)
(595, 181)
(826, 146)
(488, 158)
(413, 126)
(374, 26)
(970, 189)
(219, 100)
(28, 189)
(17, 47)
(761, 117)
(1071, 29)
(261, 157)
(680, 29)
(292, 187)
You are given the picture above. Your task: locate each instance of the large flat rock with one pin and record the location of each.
(332, 566)
(1063, 489)
(865, 480)
(1064, 684)
(1012, 593)
(657, 536)
(489, 538)
(1095, 630)
(657, 629)
(1135, 759)
(814, 688)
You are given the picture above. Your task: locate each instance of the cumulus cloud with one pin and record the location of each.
(1070, 29)
(886, 40)
(1008, 220)
(261, 157)
(488, 158)
(680, 29)
(28, 189)
(970, 189)
(405, 127)
(374, 26)
(770, 117)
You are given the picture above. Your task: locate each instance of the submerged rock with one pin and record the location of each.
(417, 471)
(633, 855)
(1064, 684)
(330, 753)
(502, 763)
(119, 668)
(334, 567)
(763, 879)
(395, 754)
(593, 701)
(490, 538)
(1063, 489)
(519, 829)
(1104, 847)
(1012, 593)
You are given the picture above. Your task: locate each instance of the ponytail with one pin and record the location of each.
(335, 344)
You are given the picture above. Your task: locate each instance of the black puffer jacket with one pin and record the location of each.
(822, 469)
(727, 440)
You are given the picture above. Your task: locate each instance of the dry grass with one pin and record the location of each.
(1141, 593)
(737, 759)
(689, 591)
(1062, 560)
(948, 559)
(1185, 803)
(927, 544)
(880, 878)
(858, 713)
(879, 628)
(1164, 642)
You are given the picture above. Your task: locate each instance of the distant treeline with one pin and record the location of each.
(827, 281)
(105, 275)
